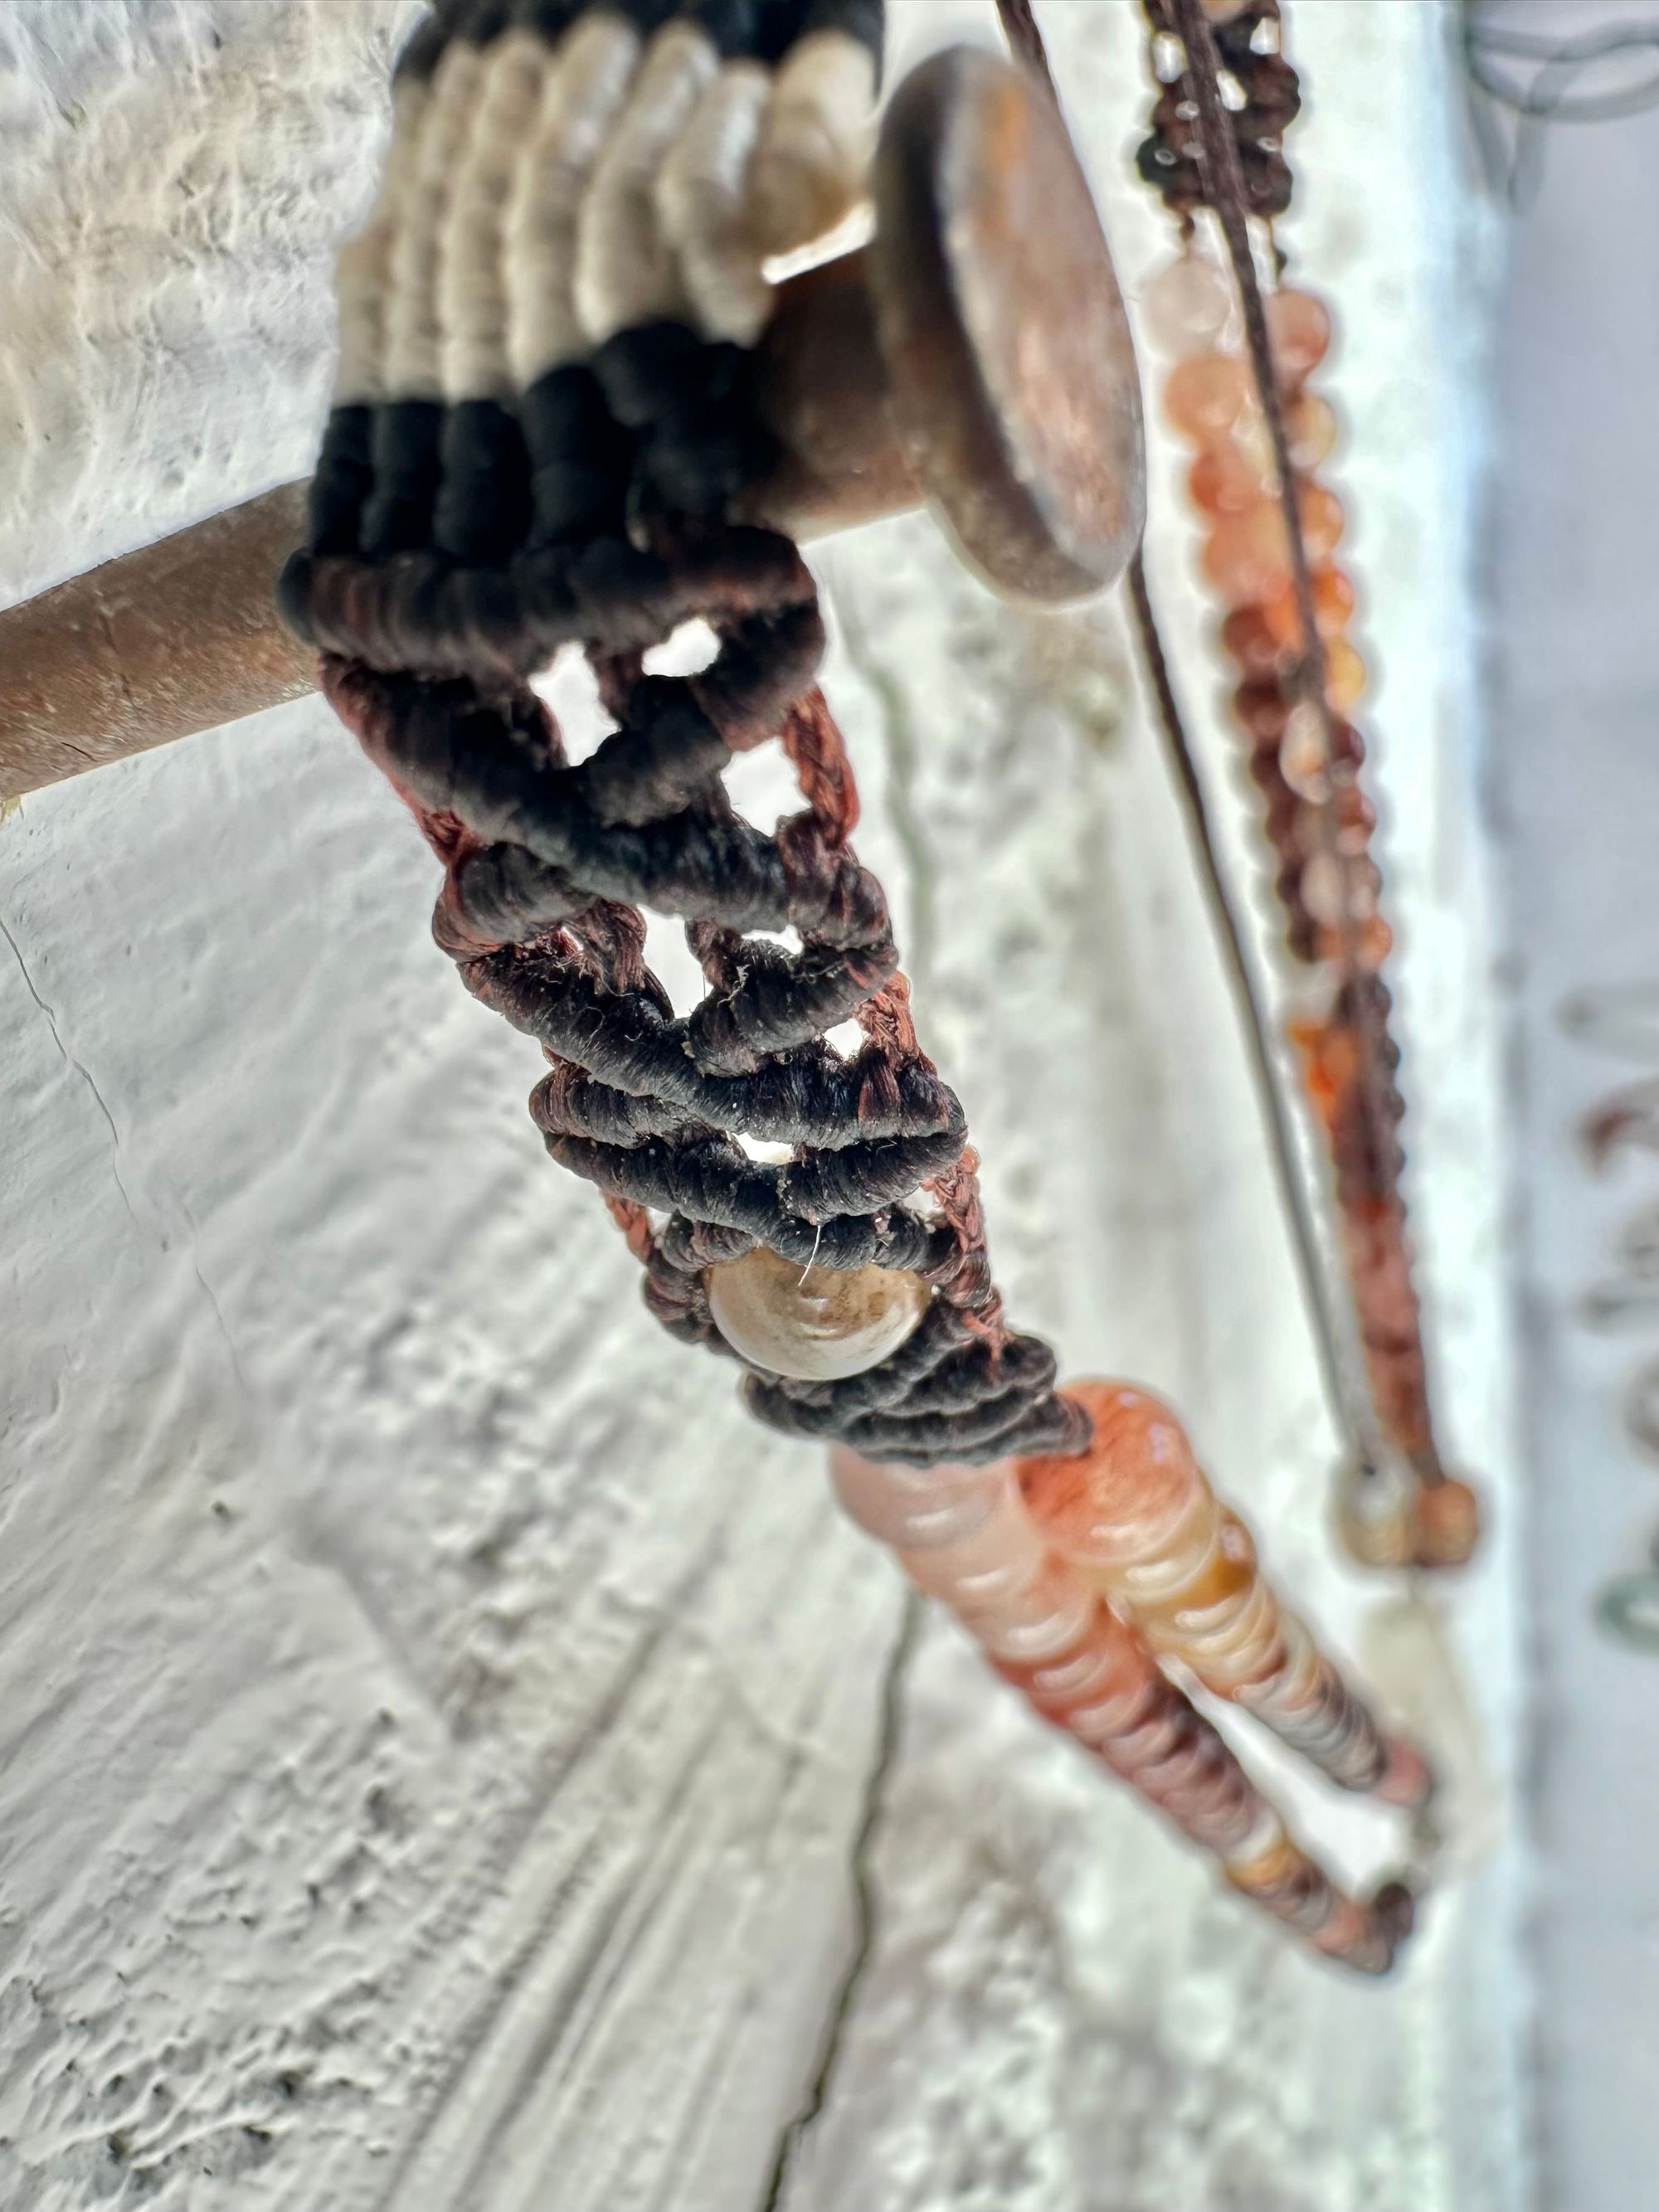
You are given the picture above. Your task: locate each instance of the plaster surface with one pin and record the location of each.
(443, 1747)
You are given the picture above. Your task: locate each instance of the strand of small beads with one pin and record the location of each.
(1241, 393)
(1137, 1517)
(543, 420)
(1024, 1585)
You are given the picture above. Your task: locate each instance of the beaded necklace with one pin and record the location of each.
(548, 431)
(1241, 394)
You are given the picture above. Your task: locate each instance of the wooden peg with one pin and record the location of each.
(974, 356)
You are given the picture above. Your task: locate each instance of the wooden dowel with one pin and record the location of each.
(900, 372)
(177, 637)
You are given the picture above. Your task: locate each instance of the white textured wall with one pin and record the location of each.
(1576, 780)
(437, 1733)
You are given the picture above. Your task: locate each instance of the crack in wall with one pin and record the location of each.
(867, 1913)
(899, 742)
(80, 1069)
(900, 745)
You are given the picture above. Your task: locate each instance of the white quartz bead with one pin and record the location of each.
(1189, 305)
(816, 1324)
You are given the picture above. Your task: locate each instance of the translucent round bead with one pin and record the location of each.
(1227, 477)
(1205, 394)
(819, 1324)
(1374, 1517)
(1322, 520)
(1005, 1585)
(1132, 1495)
(1331, 887)
(1248, 558)
(1248, 639)
(1407, 1779)
(1372, 944)
(1303, 753)
(1254, 441)
(1189, 304)
(990, 1567)
(1263, 711)
(1299, 332)
(1311, 424)
(1344, 675)
(1356, 819)
(1349, 814)
(917, 1509)
(1447, 1519)
(1333, 606)
(1323, 888)
(1091, 1670)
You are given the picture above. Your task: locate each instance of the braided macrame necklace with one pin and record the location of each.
(550, 431)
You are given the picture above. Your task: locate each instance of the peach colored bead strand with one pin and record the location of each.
(1137, 1517)
(1288, 606)
(1195, 292)
(964, 1537)
(1317, 818)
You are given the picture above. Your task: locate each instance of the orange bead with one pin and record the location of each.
(1344, 675)
(1312, 426)
(1355, 819)
(1365, 883)
(1372, 942)
(1330, 1064)
(1447, 1515)
(1136, 1515)
(1225, 479)
(1248, 558)
(1323, 519)
(1205, 394)
(1348, 817)
(1300, 331)
(1335, 598)
(1333, 606)
(1134, 1485)
(1248, 639)
(1263, 712)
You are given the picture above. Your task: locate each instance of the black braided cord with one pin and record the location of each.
(453, 550)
